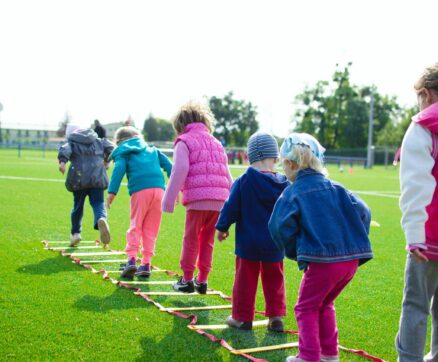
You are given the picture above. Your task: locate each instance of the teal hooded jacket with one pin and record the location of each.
(141, 163)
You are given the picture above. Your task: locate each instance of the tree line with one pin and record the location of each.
(335, 111)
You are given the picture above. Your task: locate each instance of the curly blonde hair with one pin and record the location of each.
(429, 79)
(125, 133)
(192, 112)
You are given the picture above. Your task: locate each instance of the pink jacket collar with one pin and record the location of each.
(196, 127)
(428, 118)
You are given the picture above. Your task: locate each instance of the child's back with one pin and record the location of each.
(87, 153)
(332, 223)
(250, 206)
(86, 176)
(324, 227)
(141, 163)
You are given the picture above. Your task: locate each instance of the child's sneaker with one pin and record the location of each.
(103, 227)
(238, 324)
(276, 324)
(183, 286)
(75, 239)
(295, 359)
(129, 269)
(329, 358)
(143, 271)
(201, 288)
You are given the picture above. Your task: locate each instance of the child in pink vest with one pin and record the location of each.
(419, 205)
(200, 171)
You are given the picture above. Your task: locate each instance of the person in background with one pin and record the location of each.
(99, 129)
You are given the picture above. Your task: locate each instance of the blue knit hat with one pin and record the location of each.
(262, 145)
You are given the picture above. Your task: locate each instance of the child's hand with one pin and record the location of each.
(62, 167)
(419, 256)
(222, 235)
(110, 199)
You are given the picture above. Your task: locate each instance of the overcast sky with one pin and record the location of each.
(110, 59)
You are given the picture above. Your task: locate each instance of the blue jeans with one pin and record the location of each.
(420, 299)
(97, 202)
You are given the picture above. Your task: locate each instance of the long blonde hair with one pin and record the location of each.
(192, 112)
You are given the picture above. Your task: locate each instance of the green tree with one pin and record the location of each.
(165, 130)
(393, 132)
(236, 119)
(337, 112)
(150, 129)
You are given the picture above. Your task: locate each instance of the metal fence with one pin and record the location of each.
(344, 157)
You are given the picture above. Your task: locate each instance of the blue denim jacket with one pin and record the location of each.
(318, 220)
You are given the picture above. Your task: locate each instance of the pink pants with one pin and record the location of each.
(145, 223)
(245, 288)
(198, 243)
(315, 310)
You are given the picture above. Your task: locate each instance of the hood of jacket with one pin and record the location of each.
(133, 145)
(84, 136)
(267, 186)
(428, 118)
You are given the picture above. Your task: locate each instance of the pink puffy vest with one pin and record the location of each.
(208, 171)
(428, 118)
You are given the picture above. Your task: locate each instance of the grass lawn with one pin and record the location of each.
(51, 309)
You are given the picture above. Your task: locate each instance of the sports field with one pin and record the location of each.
(52, 309)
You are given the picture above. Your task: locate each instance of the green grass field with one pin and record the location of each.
(52, 309)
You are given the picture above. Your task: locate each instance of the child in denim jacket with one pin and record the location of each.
(324, 227)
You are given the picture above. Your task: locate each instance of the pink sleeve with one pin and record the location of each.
(178, 177)
(413, 247)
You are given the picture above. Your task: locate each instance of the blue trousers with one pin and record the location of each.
(96, 197)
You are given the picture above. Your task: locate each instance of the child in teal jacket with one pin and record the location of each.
(142, 165)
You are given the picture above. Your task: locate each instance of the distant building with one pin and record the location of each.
(27, 136)
(111, 128)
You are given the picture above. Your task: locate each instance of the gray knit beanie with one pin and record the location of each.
(262, 145)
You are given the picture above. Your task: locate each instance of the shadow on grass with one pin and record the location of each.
(179, 344)
(49, 266)
(119, 300)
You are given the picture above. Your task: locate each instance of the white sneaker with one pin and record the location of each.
(103, 227)
(75, 239)
(295, 359)
(329, 358)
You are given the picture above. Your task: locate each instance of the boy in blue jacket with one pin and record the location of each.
(249, 206)
(325, 228)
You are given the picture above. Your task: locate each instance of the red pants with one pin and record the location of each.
(245, 288)
(198, 243)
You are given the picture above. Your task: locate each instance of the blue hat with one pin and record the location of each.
(262, 145)
(302, 139)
